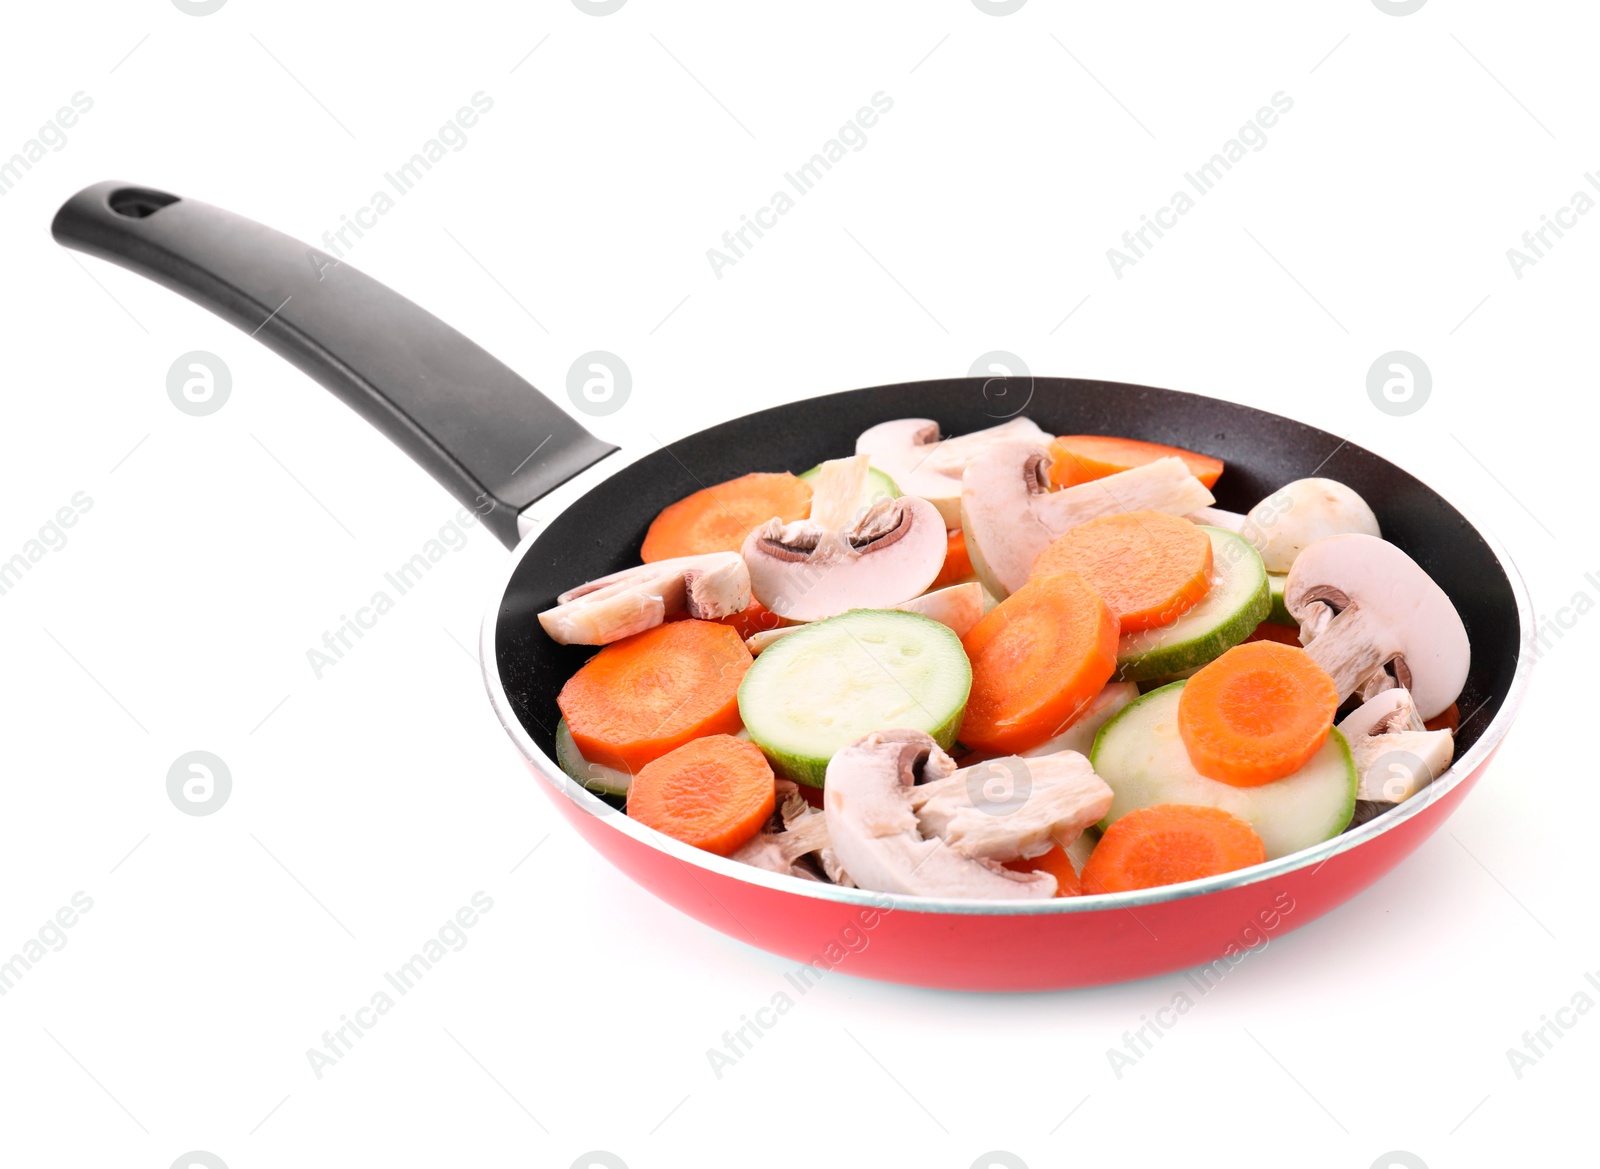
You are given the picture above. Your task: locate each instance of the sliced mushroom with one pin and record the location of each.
(1299, 514)
(1217, 517)
(1395, 755)
(797, 832)
(1382, 610)
(708, 586)
(910, 451)
(876, 835)
(841, 559)
(1009, 808)
(1010, 514)
(957, 606)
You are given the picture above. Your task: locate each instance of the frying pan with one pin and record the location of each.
(498, 445)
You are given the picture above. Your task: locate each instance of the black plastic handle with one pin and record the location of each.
(487, 435)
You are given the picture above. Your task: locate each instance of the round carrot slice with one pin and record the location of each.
(1038, 658)
(717, 519)
(1148, 566)
(1082, 457)
(1257, 713)
(957, 561)
(714, 793)
(1165, 844)
(1448, 719)
(1057, 864)
(640, 697)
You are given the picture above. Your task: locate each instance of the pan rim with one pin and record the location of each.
(1317, 855)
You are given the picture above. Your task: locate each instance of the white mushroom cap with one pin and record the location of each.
(1010, 515)
(1299, 514)
(802, 572)
(1386, 612)
(876, 836)
(1395, 756)
(910, 451)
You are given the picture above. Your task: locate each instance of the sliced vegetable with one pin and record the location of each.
(715, 793)
(1447, 720)
(911, 452)
(826, 684)
(1080, 735)
(876, 485)
(1225, 616)
(957, 564)
(712, 585)
(875, 831)
(717, 519)
(1038, 660)
(1009, 514)
(1140, 753)
(1148, 566)
(1079, 851)
(1395, 754)
(1081, 458)
(1057, 864)
(1256, 714)
(957, 607)
(1299, 514)
(1167, 844)
(794, 839)
(842, 558)
(1007, 808)
(1363, 606)
(754, 618)
(1216, 517)
(641, 697)
(1279, 613)
(594, 776)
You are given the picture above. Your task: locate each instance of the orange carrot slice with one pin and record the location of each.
(1082, 457)
(957, 564)
(1148, 566)
(1168, 843)
(1257, 713)
(1057, 864)
(752, 619)
(714, 793)
(717, 519)
(1271, 631)
(640, 697)
(1038, 658)
(1448, 719)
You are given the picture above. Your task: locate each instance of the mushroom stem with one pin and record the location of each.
(1394, 754)
(1349, 648)
(1039, 802)
(798, 831)
(610, 608)
(875, 831)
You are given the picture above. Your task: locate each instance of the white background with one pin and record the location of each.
(369, 805)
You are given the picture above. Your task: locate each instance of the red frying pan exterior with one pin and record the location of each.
(1008, 951)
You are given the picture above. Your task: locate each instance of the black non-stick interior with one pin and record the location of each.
(601, 533)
